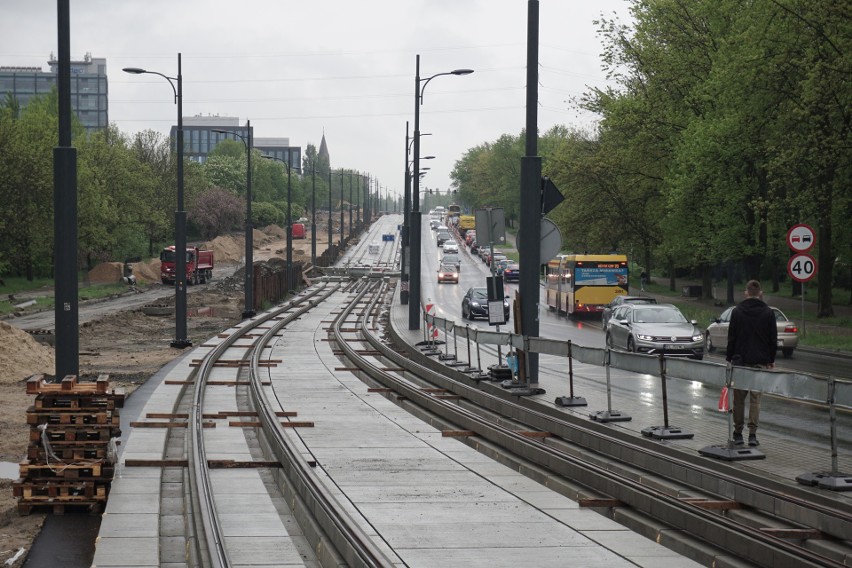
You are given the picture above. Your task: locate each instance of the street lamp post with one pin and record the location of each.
(330, 246)
(415, 236)
(180, 341)
(314, 213)
(248, 285)
(350, 204)
(290, 280)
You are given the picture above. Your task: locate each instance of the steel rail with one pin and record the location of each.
(763, 549)
(200, 483)
(349, 539)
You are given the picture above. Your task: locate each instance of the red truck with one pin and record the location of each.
(199, 265)
(299, 231)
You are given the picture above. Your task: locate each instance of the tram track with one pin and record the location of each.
(339, 537)
(752, 519)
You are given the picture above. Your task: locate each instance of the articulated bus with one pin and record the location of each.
(585, 283)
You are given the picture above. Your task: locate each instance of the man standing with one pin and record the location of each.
(752, 342)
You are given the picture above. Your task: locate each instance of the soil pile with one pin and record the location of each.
(148, 271)
(227, 248)
(22, 355)
(106, 273)
(275, 232)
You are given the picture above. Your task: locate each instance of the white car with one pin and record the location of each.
(451, 247)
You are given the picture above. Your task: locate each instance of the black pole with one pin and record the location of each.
(342, 219)
(330, 246)
(180, 341)
(248, 310)
(530, 211)
(350, 204)
(406, 207)
(66, 315)
(290, 280)
(314, 215)
(414, 221)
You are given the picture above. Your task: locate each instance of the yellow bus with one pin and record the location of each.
(585, 283)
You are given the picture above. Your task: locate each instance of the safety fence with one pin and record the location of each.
(833, 392)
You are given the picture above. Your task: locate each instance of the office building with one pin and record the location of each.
(89, 87)
(199, 139)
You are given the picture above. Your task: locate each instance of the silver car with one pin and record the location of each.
(788, 332)
(654, 329)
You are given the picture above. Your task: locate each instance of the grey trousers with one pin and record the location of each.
(739, 410)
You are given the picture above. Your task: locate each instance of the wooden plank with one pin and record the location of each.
(231, 464)
(457, 433)
(793, 534)
(593, 502)
(713, 505)
(257, 424)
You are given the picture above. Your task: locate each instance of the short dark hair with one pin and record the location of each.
(753, 288)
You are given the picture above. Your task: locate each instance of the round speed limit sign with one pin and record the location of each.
(801, 267)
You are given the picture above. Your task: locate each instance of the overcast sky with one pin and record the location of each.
(343, 67)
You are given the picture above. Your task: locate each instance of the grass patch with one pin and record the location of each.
(43, 302)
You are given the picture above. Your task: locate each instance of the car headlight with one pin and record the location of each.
(475, 304)
(645, 337)
(697, 337)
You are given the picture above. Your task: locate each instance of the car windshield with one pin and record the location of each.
(448, 268)
(479, 294)
(658, 315)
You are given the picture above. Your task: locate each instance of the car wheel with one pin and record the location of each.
(631, 346)
(788, 352)
(708, 343)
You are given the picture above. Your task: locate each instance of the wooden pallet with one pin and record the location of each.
(78, 419)
(72, 417)
(70, 491)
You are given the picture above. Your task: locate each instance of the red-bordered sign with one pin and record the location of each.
(801, 238)
(801, 267)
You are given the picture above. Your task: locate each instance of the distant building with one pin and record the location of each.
(89, 87)
(199, 139)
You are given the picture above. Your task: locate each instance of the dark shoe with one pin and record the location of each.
(752, 440)
(738, 439)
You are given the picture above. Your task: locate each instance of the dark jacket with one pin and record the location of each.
(753, 334)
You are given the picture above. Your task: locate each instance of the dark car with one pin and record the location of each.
(475, 304)
(620, 301)
(654, 329)
(512, 272)
(442, 237)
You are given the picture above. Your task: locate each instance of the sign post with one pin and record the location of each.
(801, 267)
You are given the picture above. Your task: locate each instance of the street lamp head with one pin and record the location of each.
(462, 71)
(427, 158)
(134, 70)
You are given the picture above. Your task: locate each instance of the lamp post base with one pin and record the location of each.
(181, 343)
(248, 314)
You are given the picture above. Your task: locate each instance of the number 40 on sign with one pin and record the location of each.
(801, 267)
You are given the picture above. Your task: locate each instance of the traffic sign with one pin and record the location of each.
(801, 267)
(801, 238)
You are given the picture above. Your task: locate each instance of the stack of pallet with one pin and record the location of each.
(74, 426)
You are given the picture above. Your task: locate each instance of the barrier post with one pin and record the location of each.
(666, 432)
(609, 415)
(570, 400)
(446, 356)
(728, 451)
(833, 480)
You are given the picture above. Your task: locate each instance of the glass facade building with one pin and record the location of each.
(89, 88)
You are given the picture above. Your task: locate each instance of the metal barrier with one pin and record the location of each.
(835, 393)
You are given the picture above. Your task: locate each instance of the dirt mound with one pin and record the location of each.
(275, 232)
(227, 248)
(259, 238)
(22, 355)
(106, 273)
(148, 271)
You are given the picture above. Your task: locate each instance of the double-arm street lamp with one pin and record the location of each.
(414, 237)
(248, 310)
(180, 340)
(406, 220)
